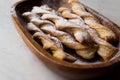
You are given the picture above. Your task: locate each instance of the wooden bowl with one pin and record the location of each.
(83, 70)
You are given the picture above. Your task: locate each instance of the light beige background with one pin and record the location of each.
(17, 62)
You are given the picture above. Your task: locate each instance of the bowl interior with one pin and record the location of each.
(55, 4)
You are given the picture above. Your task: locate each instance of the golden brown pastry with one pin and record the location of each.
(84, 51)
(52, 23)
(65, 38)
(50, 28)
(30, 15)
(104, 32)
(61, 24)
(49, 44)
(66, 13)
(56, 41)
(106, 50)
(44, 9)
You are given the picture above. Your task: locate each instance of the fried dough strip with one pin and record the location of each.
(50, 28)
(106, 50)
(66, 13)
(86, 52)
(62, 24)
(64, 37)
(49, 44)
(104, 32)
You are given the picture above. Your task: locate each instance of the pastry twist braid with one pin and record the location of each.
(104, 32)
(48, 43)
(85, 51)
(63, 24)
(106, 50)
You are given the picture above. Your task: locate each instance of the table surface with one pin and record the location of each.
(17, 62)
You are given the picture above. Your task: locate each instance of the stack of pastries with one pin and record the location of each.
(74, 28)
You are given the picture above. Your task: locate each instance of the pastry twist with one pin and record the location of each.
(85, 51)
(49, 43)
(104, 32)
(106, 50)
(49, 27)
(62, 24)
(51, 22)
